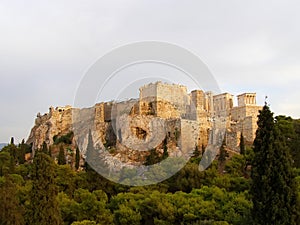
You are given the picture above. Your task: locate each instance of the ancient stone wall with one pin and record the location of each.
(188, 118)
(163, 94)
(223, 104)
(247, 99)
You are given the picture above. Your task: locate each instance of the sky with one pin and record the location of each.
(46, 47)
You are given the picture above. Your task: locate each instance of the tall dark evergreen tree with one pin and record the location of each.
(43, 204)
(165, 152)
(21, 152)
(223, 153)
(61, 156)
(196, 153)
(77, 158)
(45, 148)
(273, 188)
(12, 141)
(242, 145)
(50, 151)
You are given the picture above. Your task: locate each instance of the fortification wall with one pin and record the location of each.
(239, 113)
(223, 104)
(189, 136)
(148, 91)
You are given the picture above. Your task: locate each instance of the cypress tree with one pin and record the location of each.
(50, 151)
(43, 207)
(21, 152)
(273, 187)
(202, 149)
(196, 153)
(12, 141)
(61, 156)
(242, 145)
(45, 148)
(77, 158)
(165, 152)
(223, 153)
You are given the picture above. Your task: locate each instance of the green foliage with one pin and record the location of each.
(273, 189)
(61, 156)
(152, 158)
(45, 193)
(77, 158)
(45, 148)
(127, 216)
(11, 211)
(22, 150)
(85, 206)
(43, 208)
(223, 155)
(66, 139)
(66, 179)
(5, 163)
(12, 141)
(290, 130)
(165, 153)
(85, 222)
(242, 145)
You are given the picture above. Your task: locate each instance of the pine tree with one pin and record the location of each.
(43, 204)
(242, 145)
(77, 158)
(273, 187)
(61, 156)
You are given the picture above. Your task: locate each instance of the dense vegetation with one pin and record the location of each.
(232, 190)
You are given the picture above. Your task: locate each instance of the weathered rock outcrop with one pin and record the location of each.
(125, 131)
(57, 122)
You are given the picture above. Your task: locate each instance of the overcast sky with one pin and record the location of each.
(47, 46)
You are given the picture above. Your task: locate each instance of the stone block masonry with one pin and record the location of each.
(194, 112)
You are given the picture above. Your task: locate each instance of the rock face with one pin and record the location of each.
(57, 122)
(164, 114)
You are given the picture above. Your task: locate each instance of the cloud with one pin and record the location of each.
(45, 47)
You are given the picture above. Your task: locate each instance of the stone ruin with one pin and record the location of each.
(188, 120)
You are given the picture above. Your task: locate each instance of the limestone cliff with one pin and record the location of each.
(125, 131)
(57, 122)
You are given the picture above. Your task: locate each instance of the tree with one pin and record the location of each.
(152, 158)
(77, 158)
(12, 141)
(50, 151)
(45, 148)
(290, 129)
(223, 155)
(61, 156)
(21, 152)
(196, 153)
(43, 207)
(165, 153)
(242, 145)
(5, 163)
(273, 188)
(11, 212)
